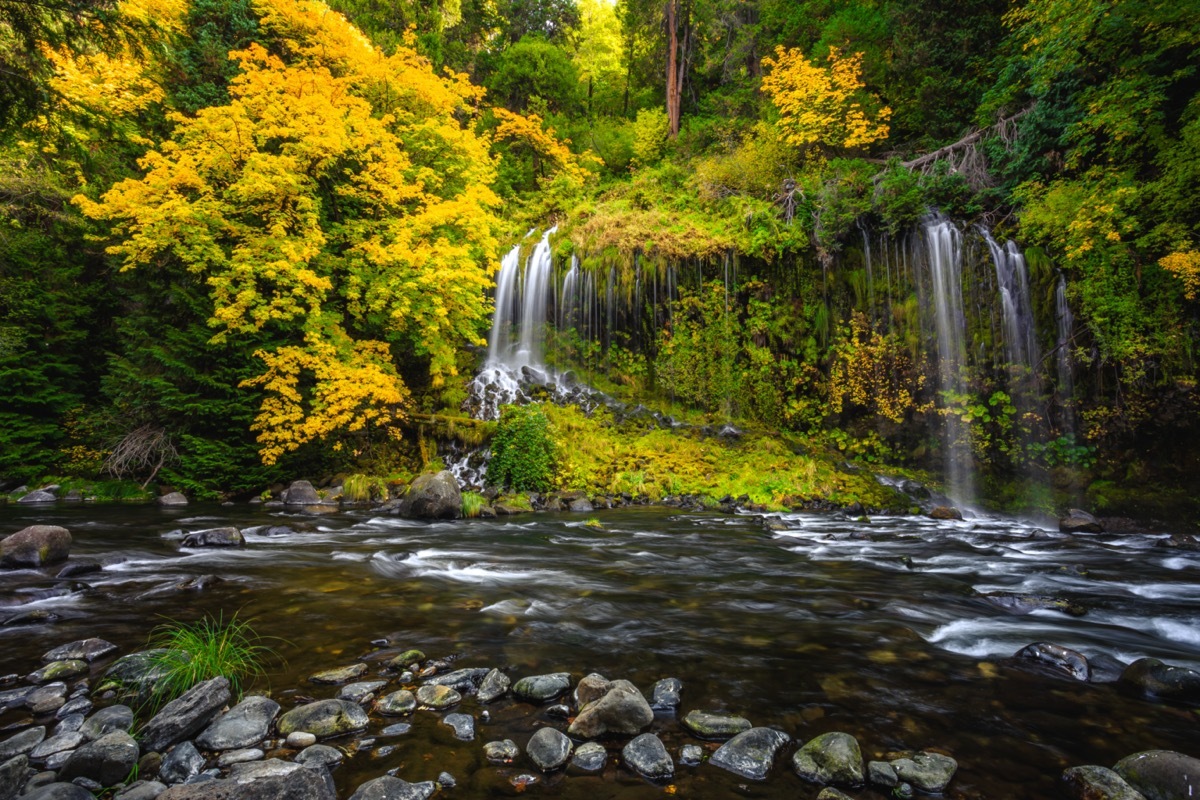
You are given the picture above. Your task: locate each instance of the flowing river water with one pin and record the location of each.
(877, 629)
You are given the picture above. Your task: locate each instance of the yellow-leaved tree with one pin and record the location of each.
(339, 207)
(824, 105)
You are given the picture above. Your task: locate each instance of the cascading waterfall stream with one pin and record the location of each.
(1066, 382)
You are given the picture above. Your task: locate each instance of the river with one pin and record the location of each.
(874, 628)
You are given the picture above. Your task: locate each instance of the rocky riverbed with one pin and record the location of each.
(801, 656)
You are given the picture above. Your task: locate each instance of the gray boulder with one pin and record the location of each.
(1078, 521)
(13, 772)
(186, 716)
(173, 499)
(84, 650)
(35, 546)
(214, 537)
(929, 772)
(432, 497)
(831, 758)
(715, 726)
(182, 764)
(107, 720)
(361, 692)
(1098, 783)
(647, 756)
(38, 496)
(108, 760)
(58, 743)
(549, 749)
(245, 724)
(396, 704)
(320, 755)
(620, 710)
(463, 725)
(261, 780)
(1161, 774)
(58, 670)
(59, 791)
(389, 788)
(589, 757)
(751, 754)
(325, 719)
(1149, 677)
(881, 773)
(141, 790)
(22, 743)
(463, 681)
(301, 493)
(542, 688)
(665, 695)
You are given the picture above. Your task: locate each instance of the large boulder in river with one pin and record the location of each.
(1079, 521)
(1150, 677)
(831, 758)
(35, 546)
(214, 537)
(751, 753)
(1098, 783)
(187, 715)
(173, 499)
(432, 497)
(38, 496)
(621, 710)
(1161, 774)
(301, 493)
(945, 512)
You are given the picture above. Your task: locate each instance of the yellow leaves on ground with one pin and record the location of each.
(338, 191)
(1185, 265)
(823, 105)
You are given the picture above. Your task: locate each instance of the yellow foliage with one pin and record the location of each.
(530, 131)
(824, 105)
(338, 190)
(872, 372)
(1186, 267)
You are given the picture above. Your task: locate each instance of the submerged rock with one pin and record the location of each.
(830, 758)
(1149, 677)
(325, 719)
(1028, 603)
(542, 688)
(707, 725)
(463, 681)
(503, 752)
(396, 704)
(214, 537)
(665, 694)
(462, 724)
(1161, 774)
(438, 697)
(320, 755)
(362, 692)
(589, 757)
(494, 686)
(340, 674)
(549, 749)
(35, 546)
(929, 772)
(751, 753)
(1098, 783)
(1058, 658)
(647, 756)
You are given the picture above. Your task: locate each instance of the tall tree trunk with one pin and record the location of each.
(674, 89)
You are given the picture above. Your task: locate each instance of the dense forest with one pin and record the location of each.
(248, 239)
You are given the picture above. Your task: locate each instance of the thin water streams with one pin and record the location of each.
(878, 629)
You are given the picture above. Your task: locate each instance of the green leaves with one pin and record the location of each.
(522, 450)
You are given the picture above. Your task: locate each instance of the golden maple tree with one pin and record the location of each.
(823, 105)
(339, 204)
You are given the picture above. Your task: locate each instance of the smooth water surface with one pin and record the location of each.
(876, 629)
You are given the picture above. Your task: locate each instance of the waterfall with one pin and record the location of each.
(1066, 382)
(944, 242)
(1012, 280)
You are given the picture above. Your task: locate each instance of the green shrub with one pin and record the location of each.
(190, 654)
(472, 504)
(361, 488)
(522, 450)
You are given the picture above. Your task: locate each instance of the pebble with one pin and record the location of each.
(301, 739)
(690, 755)
(240, 757)
(399, 729)
(504, 752)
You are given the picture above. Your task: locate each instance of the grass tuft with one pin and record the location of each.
(361, 488)
(472, 504)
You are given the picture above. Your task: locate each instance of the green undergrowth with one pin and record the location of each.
(596, 454)
(108, 491)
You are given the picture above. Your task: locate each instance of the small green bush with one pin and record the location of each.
(360, 488)
(191, 654)
(522, 450)
(472, 504)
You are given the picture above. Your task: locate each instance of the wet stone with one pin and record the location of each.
(245, 724)
(12, 776)
(1161, 774)
(77, 707)
(542, 688)
(391, 788)
(751, 754)
(620, 710)
(214, 537)
(438, 697)
(396, 704)
(141, 790)
(830, 793)
(399, 729)
(462, 724)
(324, 719)
(108, 760)
(22, 743)
(361, 692)
(1098, 783)
(57, 744)
(665, 695)
(494, 686)
(690, 755)
(300, 739)
(831, 758)
(881, 773)
(446, 781)
(504, 752)
(929, 772)
(715, 726)
(320, 755)
(646, 756)
(559, 711)
(1057, 658)
(340, 675)
(183, 763)
(903, 791)
(107, 720)
(47, 699)
(406, 659)
(589, 757)
(1149, 677)
(463, 681)
(242, 756)
(59, 670)
(549, 749)
(69, 724)
(187, 715)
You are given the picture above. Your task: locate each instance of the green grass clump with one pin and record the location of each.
(193, 653)
(472, 504)
(361, 488)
